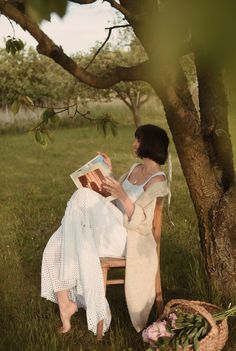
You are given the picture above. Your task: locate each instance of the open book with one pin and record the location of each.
(92, 174)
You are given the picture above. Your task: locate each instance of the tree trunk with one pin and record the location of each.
(136, 116)
(217, 227)
(213, 105)
(215, 208)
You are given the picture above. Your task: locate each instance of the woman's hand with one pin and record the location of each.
(114, 187)
(116, 190)
(107, 159)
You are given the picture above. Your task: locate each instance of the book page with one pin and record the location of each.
(93, 180)
(91, 175)
(96, 160)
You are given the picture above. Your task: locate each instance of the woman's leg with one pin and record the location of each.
(67, 309)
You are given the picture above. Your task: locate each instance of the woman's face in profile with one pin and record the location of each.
(135, 146)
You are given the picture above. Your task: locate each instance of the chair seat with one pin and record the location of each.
(111, 262)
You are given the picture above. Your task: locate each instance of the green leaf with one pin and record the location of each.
(41, 9)
(13, 49)
(15, 106)
(8, 45)
(21, 43)
(13, 45)
(189, 318)
(186, 343)
(176, 345)
(16, 44)
(60, 7)
(164, 340)
(195, 344)
(54, 118)
(193, 332)
(205, 329)
(40, 138)
(198, 318)
(47, 114)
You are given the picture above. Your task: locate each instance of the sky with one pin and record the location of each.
(78, 30)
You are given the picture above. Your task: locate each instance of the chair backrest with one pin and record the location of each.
(157, 221)
(157, 224)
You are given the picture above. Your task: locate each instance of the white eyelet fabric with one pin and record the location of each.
(91, 228)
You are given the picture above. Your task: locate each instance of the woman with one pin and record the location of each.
(92, 227)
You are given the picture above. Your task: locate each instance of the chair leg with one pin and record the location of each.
(104, 273)
(159, 299)
(160, 305)
(100, 323)
(100, 330)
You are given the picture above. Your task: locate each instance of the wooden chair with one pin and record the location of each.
(108, 263)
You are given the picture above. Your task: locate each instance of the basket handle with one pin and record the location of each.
(195, 305)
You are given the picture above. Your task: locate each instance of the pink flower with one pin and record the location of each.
(151, 334)
(172, 317)
(154, 332)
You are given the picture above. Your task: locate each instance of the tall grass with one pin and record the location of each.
(35, 187)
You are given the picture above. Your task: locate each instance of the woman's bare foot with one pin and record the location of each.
(66, 312)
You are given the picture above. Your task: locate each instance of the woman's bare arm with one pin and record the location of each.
(116, 190)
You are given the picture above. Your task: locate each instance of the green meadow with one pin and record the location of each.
(35, 187)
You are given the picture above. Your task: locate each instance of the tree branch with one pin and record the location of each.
(132, 99)
(104, 43)
(123, 10)
(83, 2)
(113, 4)
(144, 100)
(119, 94)
(48, 48)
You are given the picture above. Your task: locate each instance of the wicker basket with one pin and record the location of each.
(218, 334)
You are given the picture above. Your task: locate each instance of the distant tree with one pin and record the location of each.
(133, 94)
(28, 73)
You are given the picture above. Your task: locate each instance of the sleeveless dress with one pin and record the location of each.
(91, 228)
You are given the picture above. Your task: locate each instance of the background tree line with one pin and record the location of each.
(29, 74)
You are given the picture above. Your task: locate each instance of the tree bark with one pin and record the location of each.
(218, 235)
(215, 208)
(213, 105)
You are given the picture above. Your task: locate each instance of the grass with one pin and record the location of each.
(34, 190)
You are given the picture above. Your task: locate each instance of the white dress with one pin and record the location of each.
(91, 228)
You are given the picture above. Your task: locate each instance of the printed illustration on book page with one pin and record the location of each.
(92, 174)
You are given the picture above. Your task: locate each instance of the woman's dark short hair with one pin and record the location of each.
(154, 143)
